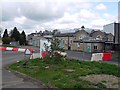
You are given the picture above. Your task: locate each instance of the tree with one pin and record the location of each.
(5, 34)
(23, 38)
(15, 34)
(6, 39)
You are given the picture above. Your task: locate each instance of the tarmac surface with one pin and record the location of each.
(9, 79)
(87, 57)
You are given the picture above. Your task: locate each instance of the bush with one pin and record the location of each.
(53, 58)
(6, 40)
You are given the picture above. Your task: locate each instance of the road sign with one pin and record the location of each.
(27, 52)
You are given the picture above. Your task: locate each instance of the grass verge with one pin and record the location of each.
(63, 73)
(116, 59)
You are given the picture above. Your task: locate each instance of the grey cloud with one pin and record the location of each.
(9, 11)
(40, 11)
(37, 11)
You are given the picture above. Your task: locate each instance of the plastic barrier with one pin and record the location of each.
(2, 48)
(101, 56)
(44, 54)
(107, 56)
(15, 49)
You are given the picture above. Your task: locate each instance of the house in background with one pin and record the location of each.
(81, 40)
(34, 38)
(115, 28)
(92, 42)
(66, 40)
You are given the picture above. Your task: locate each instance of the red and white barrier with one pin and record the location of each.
(101, 56)
(15, 49)
(3, 48)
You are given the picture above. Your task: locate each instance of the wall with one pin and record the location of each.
(100, 34)
(36, 41)
(109, 28)
(66, 41)
(110, 38)
(117, 33)
(77, 47)
(81, 33)
(100, 47)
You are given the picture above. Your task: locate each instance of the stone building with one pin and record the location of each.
(34, 38)
(81, 40)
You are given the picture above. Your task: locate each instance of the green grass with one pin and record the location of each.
(55, 71)
(101, 85)
(116, 59)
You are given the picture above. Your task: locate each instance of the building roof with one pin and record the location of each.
(65, 35)
(72, 32)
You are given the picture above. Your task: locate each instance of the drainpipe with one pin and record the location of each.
(68, 42)
(83, 49)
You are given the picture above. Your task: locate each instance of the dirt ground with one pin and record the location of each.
(109, 81)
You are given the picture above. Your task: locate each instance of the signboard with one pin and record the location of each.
(27, 52)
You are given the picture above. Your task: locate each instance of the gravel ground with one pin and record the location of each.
(109, 81)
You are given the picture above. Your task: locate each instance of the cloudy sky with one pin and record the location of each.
(36, 15)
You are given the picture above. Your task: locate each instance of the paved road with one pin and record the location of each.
(9, 79)
(86, 57)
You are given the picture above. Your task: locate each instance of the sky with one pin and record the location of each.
(36, 15)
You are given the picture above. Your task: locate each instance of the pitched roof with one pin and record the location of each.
(65, 35)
